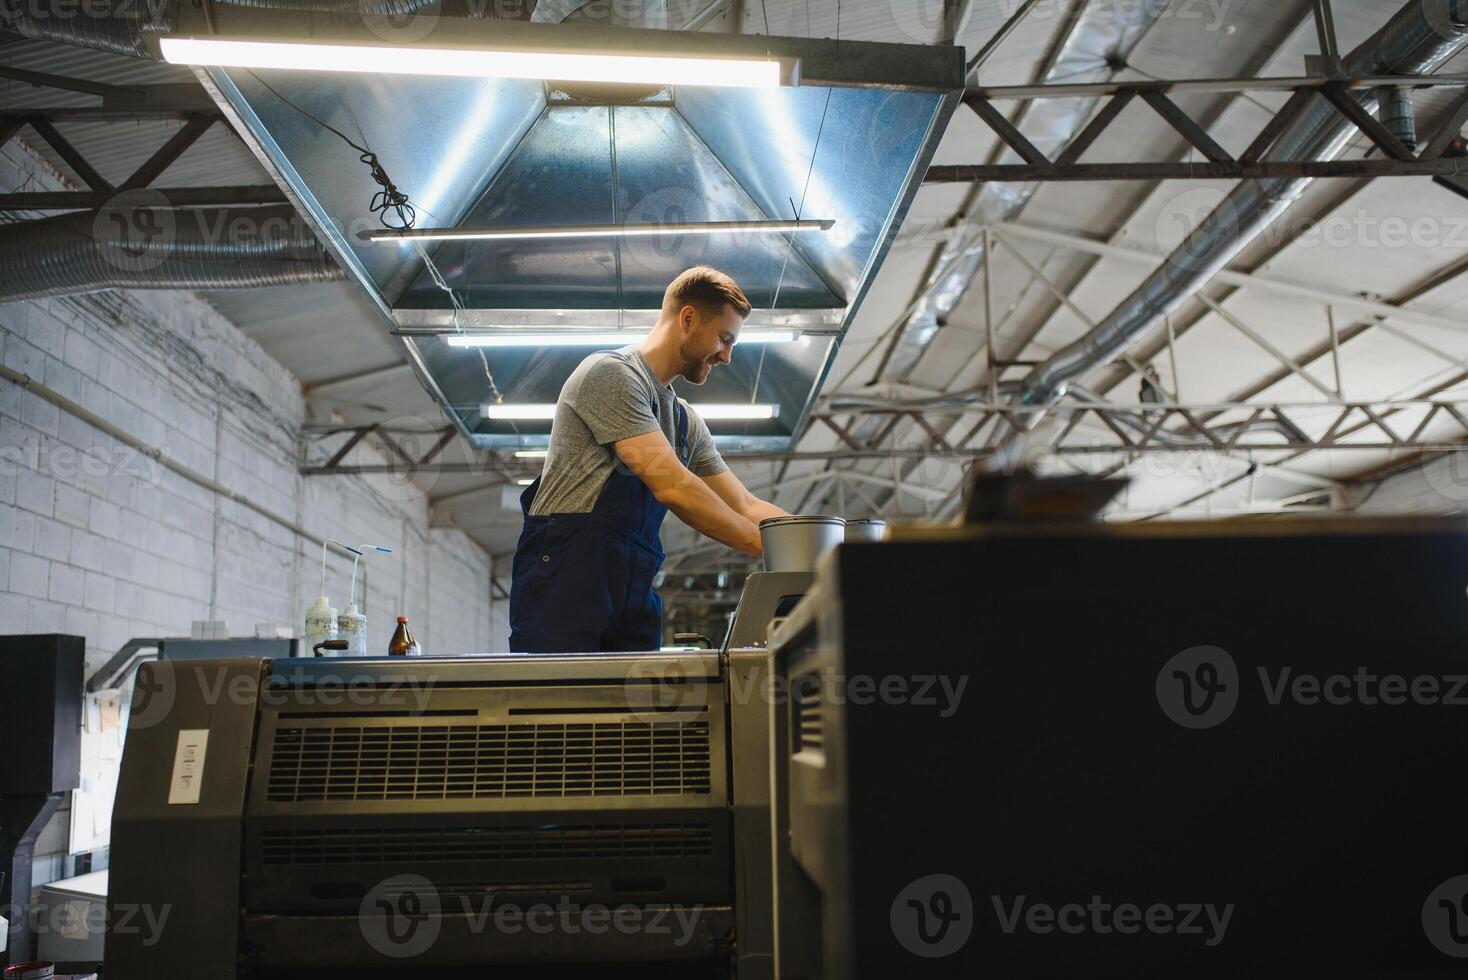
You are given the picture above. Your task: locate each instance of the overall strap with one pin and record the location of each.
(685, 453)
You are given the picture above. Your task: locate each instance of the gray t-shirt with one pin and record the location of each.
(606, 400)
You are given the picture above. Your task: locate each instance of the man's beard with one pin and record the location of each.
(695, 369)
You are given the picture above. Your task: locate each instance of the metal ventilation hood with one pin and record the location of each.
(481, 152)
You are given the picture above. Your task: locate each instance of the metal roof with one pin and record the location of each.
(1344, 255)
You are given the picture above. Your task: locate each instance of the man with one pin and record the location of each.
(624, 450)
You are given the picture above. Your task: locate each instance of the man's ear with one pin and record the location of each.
(687, 318)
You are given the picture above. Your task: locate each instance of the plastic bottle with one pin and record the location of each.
(351, 626)
(402, 643)
(320, 623)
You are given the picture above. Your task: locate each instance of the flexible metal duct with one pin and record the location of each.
(1104, 37)
(117, 27)
(207, 248)
(1140, 422)
(1419, 39)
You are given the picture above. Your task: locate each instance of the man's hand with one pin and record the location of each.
(740, 500)
(652, 460)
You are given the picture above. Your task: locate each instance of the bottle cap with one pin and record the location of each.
(402, 619)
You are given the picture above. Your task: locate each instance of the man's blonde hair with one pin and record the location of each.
(706, 288)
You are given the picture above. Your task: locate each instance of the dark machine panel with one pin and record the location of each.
(40, 726)
(1150, 718)
(392, 799)
(40, 735)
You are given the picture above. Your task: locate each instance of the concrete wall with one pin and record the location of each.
(99, 540)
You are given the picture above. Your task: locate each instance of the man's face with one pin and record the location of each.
(708, 339)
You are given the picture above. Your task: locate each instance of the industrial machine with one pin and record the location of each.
(351, 815)
(1096, 757)
(1126, 750)
(40, 734)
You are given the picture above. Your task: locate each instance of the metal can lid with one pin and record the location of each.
(801, 519)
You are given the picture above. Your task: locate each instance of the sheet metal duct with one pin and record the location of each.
(1419, 39)
(1102, 39)
(186, 249)
(849, 143)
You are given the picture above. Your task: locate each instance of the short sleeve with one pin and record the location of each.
(613, 400)
(704, 457)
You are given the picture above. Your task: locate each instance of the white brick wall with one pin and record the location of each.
(95, 534)
(98, 540)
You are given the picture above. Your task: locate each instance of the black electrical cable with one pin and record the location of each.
(387, 200)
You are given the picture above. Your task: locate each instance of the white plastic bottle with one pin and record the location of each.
(321, 625)
(352, 626)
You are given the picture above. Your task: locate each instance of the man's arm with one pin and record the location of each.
(651, 459)
(740, 500)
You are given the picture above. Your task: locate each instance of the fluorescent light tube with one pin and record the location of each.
(710, 412)
(531, 453)
(525, 482)
(480, 63)
(590, 338)
(597, 231)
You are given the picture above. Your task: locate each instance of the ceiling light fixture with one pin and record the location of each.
(596, 231)
(569, 338)
(709, 412)
(474, 62)
(531, 453)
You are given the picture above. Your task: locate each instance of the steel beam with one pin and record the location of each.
(165, 155)
(1233, 170)
(1217, 86)
(86, 86)
(181, 197)
(1245, 280)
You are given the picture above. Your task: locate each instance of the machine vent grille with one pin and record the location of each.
(446, 762)
(414, 845)
(810, 722)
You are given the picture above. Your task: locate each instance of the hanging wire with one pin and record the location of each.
(799, 209)
(458, 308)
(388, 200)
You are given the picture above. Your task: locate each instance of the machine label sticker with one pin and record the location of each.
(188, 766)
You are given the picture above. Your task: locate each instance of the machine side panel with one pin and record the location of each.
(173, 907)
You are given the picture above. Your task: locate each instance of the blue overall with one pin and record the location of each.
(583, 582)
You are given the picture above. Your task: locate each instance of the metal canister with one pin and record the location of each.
(793, 544)
(866, 529)
(30, 971)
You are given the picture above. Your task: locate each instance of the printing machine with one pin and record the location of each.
(323, 816)
(365, 815)
(1152, 717)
